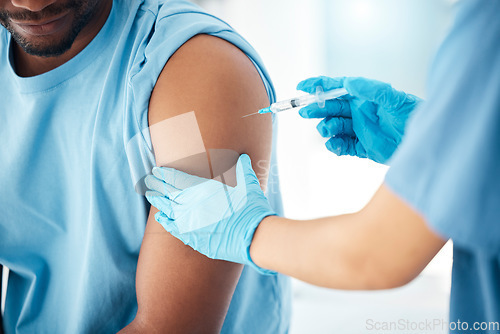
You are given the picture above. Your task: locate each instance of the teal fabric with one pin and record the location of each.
(74, 138)
(448, 166)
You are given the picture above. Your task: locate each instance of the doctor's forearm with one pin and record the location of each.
(325, 252)
(385, 245)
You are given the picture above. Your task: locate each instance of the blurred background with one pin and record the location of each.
(389, 40)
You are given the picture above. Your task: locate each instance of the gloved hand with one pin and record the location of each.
(214, 219)
(367, 123)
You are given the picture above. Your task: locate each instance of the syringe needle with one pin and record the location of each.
(300, 101)
(255, 113)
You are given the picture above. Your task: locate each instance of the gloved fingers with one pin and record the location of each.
(157, 185)
(336, 107)
(163, 204)
(153, 193)
(244, 168)
(176, 178)
(168, 224)
(335, 126)
(245, 175)
(346, 145)
(327, 83)
(378, 92)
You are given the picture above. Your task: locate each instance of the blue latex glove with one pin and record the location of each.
(214, 219)
(367, 123)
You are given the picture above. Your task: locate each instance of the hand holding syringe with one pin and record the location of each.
(320, 97)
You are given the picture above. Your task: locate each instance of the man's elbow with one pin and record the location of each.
(384, 275)
(369, 273)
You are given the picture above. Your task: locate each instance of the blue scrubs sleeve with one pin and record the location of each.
(448, 166)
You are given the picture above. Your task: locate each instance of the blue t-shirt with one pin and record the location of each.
(75, 145)
(448, 166)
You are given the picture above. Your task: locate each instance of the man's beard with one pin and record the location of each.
(82, 11)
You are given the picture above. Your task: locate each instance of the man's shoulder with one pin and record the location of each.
(171, 7)
(163, 26)
(175, 14)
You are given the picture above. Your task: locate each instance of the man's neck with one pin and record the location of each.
(27, 65)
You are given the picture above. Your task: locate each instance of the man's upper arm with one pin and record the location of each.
(196, 126)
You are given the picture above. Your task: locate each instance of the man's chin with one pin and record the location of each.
(43, 46)
(46, 52)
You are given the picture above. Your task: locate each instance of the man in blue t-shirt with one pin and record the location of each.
(94, 94)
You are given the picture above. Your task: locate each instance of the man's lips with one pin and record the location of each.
(42, 28)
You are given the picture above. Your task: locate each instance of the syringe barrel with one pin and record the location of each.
(296, 102)
(334, 93)
(320, 97)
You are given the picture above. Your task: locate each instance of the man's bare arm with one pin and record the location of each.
(202, 92)
(385, 245)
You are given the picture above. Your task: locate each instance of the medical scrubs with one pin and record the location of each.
(75, 147)
(448, 166)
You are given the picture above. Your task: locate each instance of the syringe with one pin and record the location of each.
(320, 97)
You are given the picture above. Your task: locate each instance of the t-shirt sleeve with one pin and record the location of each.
(448, 165)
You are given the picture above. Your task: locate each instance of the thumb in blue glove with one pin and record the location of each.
(214, 219)
(367, 123)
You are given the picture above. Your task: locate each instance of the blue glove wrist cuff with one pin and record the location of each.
(248, 241)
